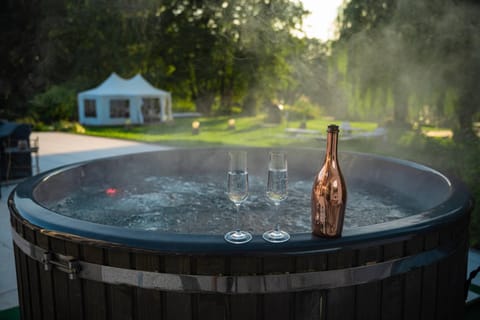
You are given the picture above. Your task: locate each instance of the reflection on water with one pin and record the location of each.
(199, 205)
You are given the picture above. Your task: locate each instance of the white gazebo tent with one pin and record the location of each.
(117, 101)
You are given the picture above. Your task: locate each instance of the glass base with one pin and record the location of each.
(238, 237)
(276, 236)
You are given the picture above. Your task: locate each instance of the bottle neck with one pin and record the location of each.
(332, 142)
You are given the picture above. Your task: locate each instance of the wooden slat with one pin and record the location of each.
(94, 293)
(177, 305)
(46, 282)
(413, 282)
(75, 290)
(20, 281)
(308, 263)
(245, 306)
(392, 288)
(211, 306)
(340, 304)
(60, 283)
(309, 305)
(338, 298)
(448, 285)
(148, 303)
(368, 295)
(429, 282)
(278, 306)
(25, 279)
(34, 278)
(278, 265)
(120, 297)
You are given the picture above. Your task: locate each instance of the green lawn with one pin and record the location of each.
(249, 131)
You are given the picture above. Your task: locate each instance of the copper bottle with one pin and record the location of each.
(329, 192)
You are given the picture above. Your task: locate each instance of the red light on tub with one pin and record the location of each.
(111, 192)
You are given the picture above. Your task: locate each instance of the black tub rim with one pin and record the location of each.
(22, 202)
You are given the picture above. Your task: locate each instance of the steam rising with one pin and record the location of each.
(412, 57)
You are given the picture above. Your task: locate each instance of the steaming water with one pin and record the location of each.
(200, 205)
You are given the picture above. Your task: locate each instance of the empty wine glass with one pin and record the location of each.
(277, 192)
(237, 191)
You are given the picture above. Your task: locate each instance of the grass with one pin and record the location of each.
(249, 131)
(10, 314)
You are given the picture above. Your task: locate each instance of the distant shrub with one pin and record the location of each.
(58, 103)
(68, 126)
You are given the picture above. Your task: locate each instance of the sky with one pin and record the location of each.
(320, 23)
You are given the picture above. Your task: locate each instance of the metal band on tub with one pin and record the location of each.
(242, 284)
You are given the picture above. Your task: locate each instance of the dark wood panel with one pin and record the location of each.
(245, 265)
(429, 281)
(392, 288)
(120, 297)
(309, 305)
(25, 280)
(148, 303)
(60, 283)
(341, 304)
(75, 290)
(308, 263)
(94, 293)
(177, 305)
(368, 306)
(342, 259)
(413, 282)
(275, 264)
(245, 306)
(278, 306)
(20, 281)
(211, 306)
(34, 278)
(46, 282)
(339, 298)
(368, 295)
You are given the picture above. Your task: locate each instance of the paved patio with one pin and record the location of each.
(57, 149)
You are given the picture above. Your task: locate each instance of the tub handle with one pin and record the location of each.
(67, 264)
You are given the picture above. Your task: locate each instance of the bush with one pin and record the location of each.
(68, 126)
(58, 103)
(303, 109)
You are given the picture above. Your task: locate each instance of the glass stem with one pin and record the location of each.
(237, 217)
(277, 226)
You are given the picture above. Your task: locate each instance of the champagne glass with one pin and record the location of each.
(237, 191)
(277, 192)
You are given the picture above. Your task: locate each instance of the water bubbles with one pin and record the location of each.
(198, 205)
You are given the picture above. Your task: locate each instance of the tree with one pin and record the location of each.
(18, 55)
(414, 52)
(218, 54)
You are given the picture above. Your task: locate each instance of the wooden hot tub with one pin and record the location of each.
(410, 268)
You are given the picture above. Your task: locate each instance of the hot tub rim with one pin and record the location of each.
(22, 202)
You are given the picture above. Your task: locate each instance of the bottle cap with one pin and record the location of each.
(332, 128)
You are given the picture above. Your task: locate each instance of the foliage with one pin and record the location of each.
(237, 52)
(68, 126)
(303, 109)
(408, 56)
(57, 103)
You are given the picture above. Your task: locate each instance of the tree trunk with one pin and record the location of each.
(400, 106)
(467, 106)
(204, 103)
